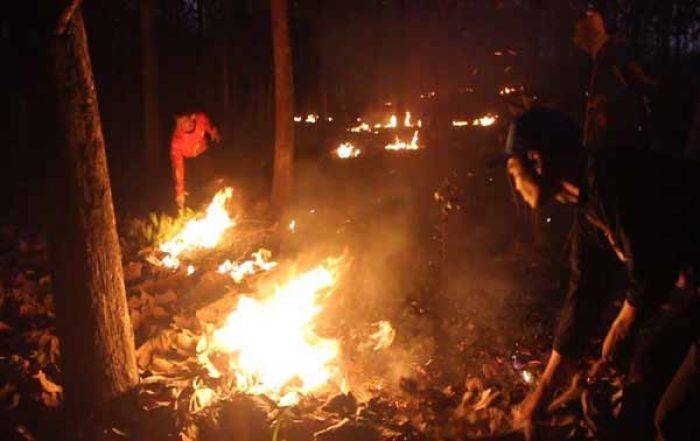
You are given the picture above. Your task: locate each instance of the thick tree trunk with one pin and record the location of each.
(97, 341)
(149, 79)
(284, 107)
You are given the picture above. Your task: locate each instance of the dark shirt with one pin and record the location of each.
(640, 210)
(544, 129)
(617, 115)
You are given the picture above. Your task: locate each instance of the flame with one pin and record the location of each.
(362, 127)
(460, 123)
(383, 337)
(507, 90)
(238, 271)
(190, 270)
(204, 232)
(275, 350)
(293, 226)
(347, 150)
(297, 119)
(311, 118)
(486, 120)
(403, 145)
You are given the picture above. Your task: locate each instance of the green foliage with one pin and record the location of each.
(156, 228)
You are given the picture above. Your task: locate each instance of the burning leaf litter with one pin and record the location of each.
(346, 150)
(399, 144)
(200, 232)
(260, 262)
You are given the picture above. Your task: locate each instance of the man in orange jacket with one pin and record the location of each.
(190, 139)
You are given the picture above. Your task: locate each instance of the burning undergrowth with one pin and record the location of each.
(332, 325)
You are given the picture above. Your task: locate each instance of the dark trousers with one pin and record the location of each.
(678, 414)
(661, 393)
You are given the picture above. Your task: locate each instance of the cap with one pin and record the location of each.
(543, 129)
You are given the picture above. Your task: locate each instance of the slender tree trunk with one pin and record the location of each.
(284, 107)
(149, 78)
(97, 340)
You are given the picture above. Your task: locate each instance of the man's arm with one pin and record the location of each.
(178, 163)
(592, 266)
(209, 128)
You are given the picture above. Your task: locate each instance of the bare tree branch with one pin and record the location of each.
(66, 16)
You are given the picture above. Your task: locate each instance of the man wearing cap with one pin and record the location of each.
(617, 113)
(639, 211)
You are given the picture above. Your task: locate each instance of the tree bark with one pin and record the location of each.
(283, 173)
(149, 78)
(97, 340)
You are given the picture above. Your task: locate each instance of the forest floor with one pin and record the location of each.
(472, 308)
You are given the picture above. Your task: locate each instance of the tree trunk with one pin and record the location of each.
(284, 107)
(149, 78)
(97, 340)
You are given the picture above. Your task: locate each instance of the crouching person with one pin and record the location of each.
(191, 137)
(641, 211)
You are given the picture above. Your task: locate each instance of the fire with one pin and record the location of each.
(486, 120)
(347, 150)
(274, 348)
(507, 90)
(260, 262)
(383, 337)
(293, 226)
(362, 127)
(460, 123)
(311, 118)
(204, 232)
(391, 124)
(298, 119)
(403, 145)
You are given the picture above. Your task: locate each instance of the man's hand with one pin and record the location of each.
(180, 200)
(528, 412)
(619, 331)
(558, 370)
(214, 135)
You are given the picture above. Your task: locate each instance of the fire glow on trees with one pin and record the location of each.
(273, 347)
(200, 232)
(399, 144)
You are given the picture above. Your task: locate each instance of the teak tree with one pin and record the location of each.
(283, 173)
(149, 79)
(94, 328)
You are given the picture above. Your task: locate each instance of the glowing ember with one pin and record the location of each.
(403, 145)
(347, 150)
(204, 232)
(527, 376)
(485, 121)
(507, 90)
(293, 226)
(238, 271)
(311, 118)
(460, 123)
(393, 122)
(383, 337)
(297, 119)
(407, 120)
(274, 348)
(190, 270)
